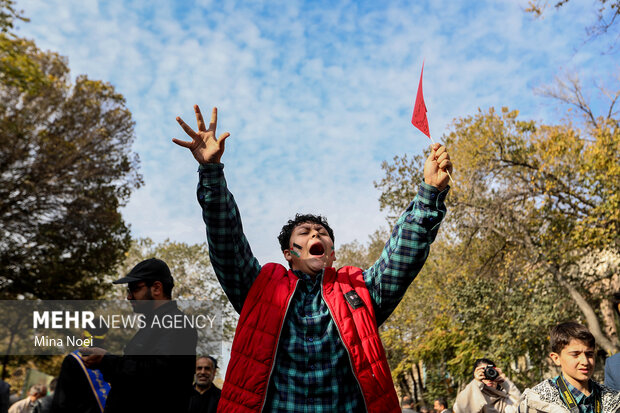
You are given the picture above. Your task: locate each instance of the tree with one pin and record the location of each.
(191, 269)
(8, 13)
(607, 15)
(362, 256)
(66, 167)
(549, 191)
(19, 66)
(533, 220)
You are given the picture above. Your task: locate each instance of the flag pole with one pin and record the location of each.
(419, 119)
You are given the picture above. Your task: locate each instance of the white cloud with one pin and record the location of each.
(315, 97)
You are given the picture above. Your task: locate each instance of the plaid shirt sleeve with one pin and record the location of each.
(233, 261)
(405, 252)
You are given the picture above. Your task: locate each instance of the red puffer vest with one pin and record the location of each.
(258, 332)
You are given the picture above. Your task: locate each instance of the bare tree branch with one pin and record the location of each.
(569, 92)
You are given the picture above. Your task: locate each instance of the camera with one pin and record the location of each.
(490, 373)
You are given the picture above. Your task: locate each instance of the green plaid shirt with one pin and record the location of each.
(585, 403)
(312, 370)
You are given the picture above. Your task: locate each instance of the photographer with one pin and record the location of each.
(489, 392)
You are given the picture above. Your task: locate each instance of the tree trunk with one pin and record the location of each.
(421, 381)
(593, 323)
(414, 385)
(592, 320)
(609, 320)
(404, 386)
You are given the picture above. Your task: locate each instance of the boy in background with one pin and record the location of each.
(573, 350)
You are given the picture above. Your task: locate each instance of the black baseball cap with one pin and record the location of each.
(152, 269)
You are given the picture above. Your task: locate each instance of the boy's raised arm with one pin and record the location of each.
(406, 251)
(230, 253)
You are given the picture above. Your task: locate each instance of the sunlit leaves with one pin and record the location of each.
(534, 209)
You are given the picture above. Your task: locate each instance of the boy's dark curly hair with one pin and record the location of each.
(563, 333)
(287, 230)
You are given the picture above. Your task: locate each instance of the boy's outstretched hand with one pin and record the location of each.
(204, 146)
(437, 166)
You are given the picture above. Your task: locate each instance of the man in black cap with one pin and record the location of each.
(155, 373)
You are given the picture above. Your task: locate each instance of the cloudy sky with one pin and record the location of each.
(315, 94)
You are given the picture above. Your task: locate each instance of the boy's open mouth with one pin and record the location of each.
(317, 249)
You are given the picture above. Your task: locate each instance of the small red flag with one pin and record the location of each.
(419, 119)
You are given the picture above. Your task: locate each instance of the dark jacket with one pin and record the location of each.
(73, 392)
(156, 372)
(205, 402)
(44, 404)
(612, 372)
(5, 390)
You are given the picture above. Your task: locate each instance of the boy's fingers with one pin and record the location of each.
(446, 165)
(223, 137)
(199, 119)
(440, 151)
(182, 143)
(213, 123)
(186, 128)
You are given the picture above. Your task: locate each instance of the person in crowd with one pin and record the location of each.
(307, 337)
(406, 404)
(79, 388)
(155, 373)
(573, 390)
(490, 391)
(5, 395)
(612, 372)
(441, 405)
(206, 395)
(612, 364)
(425, 409)
(26, 405)
(44, 404)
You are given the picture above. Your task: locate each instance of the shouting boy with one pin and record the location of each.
(573, 350)
(307, 338)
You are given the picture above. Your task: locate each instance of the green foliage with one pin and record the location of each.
(20, 60)
(533, 205)
(8, 14)
(506, 320)
(21, 65)
(438, 384)
(66, 167)
(17, 369)
(191, 269)
(398, 186)
(358, 255)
